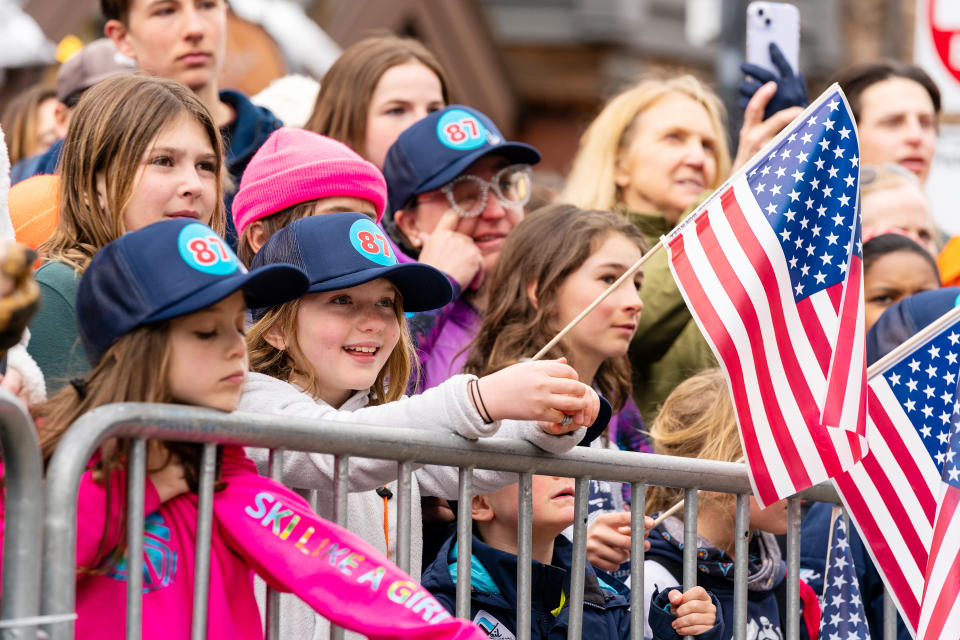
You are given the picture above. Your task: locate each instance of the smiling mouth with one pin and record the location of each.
(363, 350)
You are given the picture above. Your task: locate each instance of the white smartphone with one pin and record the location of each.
(773, 22)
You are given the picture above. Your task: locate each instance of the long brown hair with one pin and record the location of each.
(285, 364)
(111, 129)
(697, 421)
(544, 249)
(121, 375)
(340, 111)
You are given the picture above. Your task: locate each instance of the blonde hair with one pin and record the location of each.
(111, 129)
(697, 421)
(875, 177)
(284, 364)
(591, 183)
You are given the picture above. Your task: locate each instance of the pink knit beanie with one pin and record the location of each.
(295, 166)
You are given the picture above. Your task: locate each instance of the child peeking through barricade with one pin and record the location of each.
(175, 334)
(493, 571)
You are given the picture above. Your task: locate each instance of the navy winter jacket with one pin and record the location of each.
(494, 593)
(765, 609)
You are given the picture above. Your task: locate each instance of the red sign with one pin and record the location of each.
(944, 18)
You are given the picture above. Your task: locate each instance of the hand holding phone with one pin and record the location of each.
(773, 40)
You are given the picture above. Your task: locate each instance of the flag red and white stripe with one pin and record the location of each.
(776, 353)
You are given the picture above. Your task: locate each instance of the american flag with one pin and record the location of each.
(940, 611)
(842, 616)
(891, 495)
(770, 267)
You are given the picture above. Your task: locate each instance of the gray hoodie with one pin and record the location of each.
(445, 408)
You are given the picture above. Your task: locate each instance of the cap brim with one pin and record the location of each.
(263, 287)
(515, 152)
(421, 286)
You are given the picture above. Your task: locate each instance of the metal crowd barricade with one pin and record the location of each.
(168, 422)
(23, 518)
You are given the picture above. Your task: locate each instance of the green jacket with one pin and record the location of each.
(668, 347)
(54, 336)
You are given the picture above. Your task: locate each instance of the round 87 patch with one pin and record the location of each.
(205, 251)
(459, 129)
(370, 241)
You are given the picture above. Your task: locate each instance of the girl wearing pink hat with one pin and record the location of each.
(297, 174)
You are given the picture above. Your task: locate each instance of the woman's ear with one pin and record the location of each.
(275, 338)
(406, 221)
(481, 509)
(255, 235)
(532, 293)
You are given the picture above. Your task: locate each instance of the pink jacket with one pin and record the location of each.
(258, 525)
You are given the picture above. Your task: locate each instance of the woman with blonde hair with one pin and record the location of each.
(139, 150)
(654, 152)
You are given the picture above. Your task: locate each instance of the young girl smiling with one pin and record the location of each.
(342, 353)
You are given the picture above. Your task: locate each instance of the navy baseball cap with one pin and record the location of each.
(342, 250)
(435, 150)
(165, 270)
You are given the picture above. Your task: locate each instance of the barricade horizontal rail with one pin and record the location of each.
(407, 447)
(22, 520)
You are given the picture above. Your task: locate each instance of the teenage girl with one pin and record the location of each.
(176, 335)
(698, 421)
(296, 174)
(139, 149)
(378, 87)
(342, 352)
(552, 266)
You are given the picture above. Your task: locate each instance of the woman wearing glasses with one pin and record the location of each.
(456, 189)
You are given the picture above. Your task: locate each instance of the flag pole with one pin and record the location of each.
(911, 343)
(593, 305)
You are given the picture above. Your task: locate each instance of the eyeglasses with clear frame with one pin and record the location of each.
(467, 194)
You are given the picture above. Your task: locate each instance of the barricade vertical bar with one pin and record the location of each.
(136, 486)
(464, 540)
(689, 539)
(201, 573)
(638, 498)
(579, 564)
(524, 555)
(740, 557)
(793, 569)
(403, 517)
(23, 479)
(890, 616)
(275, 470)
(341, 478)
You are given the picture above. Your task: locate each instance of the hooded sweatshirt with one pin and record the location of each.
(445, 408)
(493, 600)
(766, 580)
(258, 526)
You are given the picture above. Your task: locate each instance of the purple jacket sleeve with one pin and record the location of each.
(334, 571)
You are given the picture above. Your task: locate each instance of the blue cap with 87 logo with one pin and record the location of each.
(165, 270)
(343, 250)
(435, 150)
